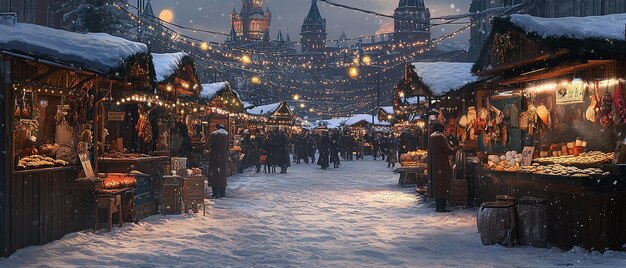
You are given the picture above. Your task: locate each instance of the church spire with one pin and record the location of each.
(148, 11)
(314, 17)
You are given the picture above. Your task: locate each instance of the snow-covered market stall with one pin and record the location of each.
(548, 124)
(282, 116)
(53, 82)
(433, 92)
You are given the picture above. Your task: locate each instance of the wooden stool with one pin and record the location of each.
(111, 203)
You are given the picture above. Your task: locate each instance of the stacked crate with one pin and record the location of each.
(172, 194)
(194, 192)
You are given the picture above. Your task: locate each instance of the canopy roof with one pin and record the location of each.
(264, 109)
(97, 52)
(609, 27)
(443, 77)
(165, 65)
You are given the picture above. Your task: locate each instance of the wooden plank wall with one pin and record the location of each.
(586, 216)
(4, 87)
(44, 207)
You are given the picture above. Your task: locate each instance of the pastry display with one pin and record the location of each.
(590, 158)
(413, 159)
(39, 161)
(123, 155)
(508, 162)
(560, 170)
(118, 181)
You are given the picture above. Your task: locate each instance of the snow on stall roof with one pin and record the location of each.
(388, 109)
(264, 109)
(592, 27)
(338, 122)
(443, 77)
(166, 64)
(97, 52)
(209, 91)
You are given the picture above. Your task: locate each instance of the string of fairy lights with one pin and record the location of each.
(273, 73)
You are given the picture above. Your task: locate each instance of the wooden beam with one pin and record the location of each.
(561, 53)
(556, 72)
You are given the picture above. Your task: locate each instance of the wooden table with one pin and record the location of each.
(411, 176)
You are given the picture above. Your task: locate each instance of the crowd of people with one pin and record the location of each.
(272, 149)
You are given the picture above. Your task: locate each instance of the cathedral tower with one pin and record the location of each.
(412, 22)
(313, 34)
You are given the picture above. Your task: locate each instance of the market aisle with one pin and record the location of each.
(349, 217)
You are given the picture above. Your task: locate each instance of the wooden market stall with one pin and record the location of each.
(282, 116)
(556, 99)
(52, 80)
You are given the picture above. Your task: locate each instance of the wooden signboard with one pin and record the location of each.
(86, 162)
(116, 116)
(527, 155)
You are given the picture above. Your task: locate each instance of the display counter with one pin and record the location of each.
(589, 212)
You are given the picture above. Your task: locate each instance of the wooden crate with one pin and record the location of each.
(458, 192)
(172, 195)
(194, 192)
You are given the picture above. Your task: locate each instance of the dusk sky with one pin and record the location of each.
(289, 14)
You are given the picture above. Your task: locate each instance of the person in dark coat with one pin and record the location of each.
(375, 145)
(218, 161)
(439, 170)
(281, 144)
(311, 147)
(335, 150)
(324, 149)
(392, 150)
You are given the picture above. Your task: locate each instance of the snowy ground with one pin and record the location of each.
(354, 216)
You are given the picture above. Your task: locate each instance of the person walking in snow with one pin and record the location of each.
(392, 150)
(439, 170)
(218, 161)
(281, 144)
(324, 149)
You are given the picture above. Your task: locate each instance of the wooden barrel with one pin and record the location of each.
(496, 223)
(532, 222)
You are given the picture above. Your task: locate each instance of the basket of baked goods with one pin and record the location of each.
(414, 159)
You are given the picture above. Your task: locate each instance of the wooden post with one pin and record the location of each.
(5, 184)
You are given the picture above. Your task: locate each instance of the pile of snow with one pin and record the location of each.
(209, 91)
(443, 77)
(264, 109)
(166, 64)
(97, 52)
(352, 216)
(593, 27)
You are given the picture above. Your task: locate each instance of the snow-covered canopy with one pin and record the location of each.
(592, 27)
(97, 52)
(264, 109)
(338, 122)
(210, 91)
(387, 109)
(443, 77)
(166, 64)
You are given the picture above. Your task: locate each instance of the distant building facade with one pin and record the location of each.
(542, 8)
(252, 23)
(411, 22)
(41, 12)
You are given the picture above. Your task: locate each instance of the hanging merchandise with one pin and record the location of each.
(471, 123)
(591, 113)
(523, 121)
(532, 119)
(619, 101)
(144, 128)
(511, 116)
(544, 115)
(606, 110)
